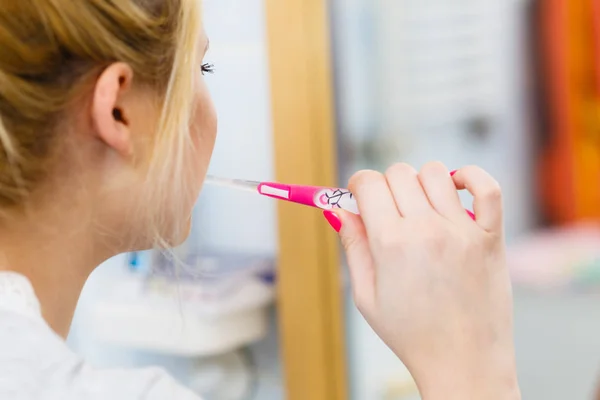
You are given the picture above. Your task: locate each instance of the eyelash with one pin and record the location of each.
(207, 68)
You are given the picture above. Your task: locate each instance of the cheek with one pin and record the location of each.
(203, 134)
(204, 125)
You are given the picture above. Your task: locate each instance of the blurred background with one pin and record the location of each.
(510, 85)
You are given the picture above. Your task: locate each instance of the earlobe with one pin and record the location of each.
(109, 111)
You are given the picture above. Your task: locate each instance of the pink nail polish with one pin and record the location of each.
(333, 220)
(453, 172)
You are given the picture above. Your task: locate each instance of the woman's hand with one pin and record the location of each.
(431, 281)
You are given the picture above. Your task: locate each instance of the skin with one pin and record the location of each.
(83, 215)
(430, 281)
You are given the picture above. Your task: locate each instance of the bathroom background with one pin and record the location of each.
(510, 85)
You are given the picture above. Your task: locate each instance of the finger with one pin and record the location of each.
(375, 202)
(358, 254)
(408, 193)
(487, 196)
(441, 191)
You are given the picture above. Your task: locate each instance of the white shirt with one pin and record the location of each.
(36, 364)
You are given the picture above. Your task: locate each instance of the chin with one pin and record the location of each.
(178, 238)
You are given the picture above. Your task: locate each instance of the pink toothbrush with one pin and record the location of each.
(324, 198)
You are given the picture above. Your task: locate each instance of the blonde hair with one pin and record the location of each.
(51, 49)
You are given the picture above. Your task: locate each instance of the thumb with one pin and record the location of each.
(358, 254)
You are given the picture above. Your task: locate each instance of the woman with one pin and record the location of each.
(107, 128)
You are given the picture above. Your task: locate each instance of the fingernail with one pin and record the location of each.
(453, 172)
(471, 215)
(333, 220)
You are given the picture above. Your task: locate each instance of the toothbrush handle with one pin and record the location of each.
(312, 196)
(324, 198)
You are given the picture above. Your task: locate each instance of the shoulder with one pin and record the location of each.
(35, 363)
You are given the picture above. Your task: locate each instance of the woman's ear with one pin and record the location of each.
(110, 113)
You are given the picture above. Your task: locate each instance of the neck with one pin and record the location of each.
(56, 255)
